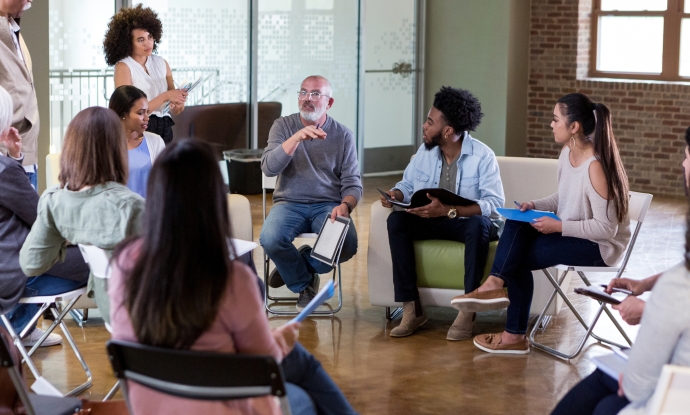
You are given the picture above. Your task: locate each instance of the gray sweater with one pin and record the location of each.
(18, 203)
(319, 170)
(664, 337)
(584, 212)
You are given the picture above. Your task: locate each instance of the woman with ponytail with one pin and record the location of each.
(593, 230)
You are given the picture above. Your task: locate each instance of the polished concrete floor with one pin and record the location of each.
(424, 373)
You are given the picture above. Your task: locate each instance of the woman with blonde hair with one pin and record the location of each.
(92, 205)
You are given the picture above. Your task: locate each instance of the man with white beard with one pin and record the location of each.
(315, 160)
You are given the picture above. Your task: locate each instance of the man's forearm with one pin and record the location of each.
(351, 201)
(467, 211)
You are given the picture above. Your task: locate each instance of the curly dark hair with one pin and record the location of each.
(687, 136)
(117, 44)
(459, 107)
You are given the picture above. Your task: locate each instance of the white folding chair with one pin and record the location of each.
(672, 392)
(99, 264)
(637, 209)
(268, 183)
(59, 314)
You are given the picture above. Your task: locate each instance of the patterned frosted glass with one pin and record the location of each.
(312, 37)
(687, 6)
(634, 5)
(77, 66)
(630, 44)
(206, 37)
(685, 47)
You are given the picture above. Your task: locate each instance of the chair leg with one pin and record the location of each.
(336, 272)
(59, 320)
(393, 313)
(112, 392)
(611, 317)
(589, 328)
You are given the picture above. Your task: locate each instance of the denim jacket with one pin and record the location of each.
(478, 175)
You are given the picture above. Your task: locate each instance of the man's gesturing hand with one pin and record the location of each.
(309, 132)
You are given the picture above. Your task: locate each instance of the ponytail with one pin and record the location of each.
(595, 120)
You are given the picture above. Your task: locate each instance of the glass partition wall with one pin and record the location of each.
(258, 51)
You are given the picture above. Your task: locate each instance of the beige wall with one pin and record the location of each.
(482, 46)
(34, 25)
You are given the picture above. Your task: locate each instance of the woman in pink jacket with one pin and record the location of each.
(176, 286)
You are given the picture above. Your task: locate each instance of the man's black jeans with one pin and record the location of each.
(404, 228)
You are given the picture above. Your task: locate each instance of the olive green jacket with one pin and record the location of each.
(102, 216)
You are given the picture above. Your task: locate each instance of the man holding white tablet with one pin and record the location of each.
(315, 160)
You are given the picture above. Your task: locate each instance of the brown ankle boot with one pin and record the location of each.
(413, 317)
(462, 327)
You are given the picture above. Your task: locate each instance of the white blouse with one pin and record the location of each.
(152, 83)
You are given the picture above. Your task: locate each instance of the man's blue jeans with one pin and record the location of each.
(301, 369)
(283, 224)
(33, 178)
(21, 314)
(523, 249)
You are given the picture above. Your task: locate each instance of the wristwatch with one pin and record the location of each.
(452, 213)
(349, 206)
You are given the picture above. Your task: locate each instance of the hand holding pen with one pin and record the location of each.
(524, 206)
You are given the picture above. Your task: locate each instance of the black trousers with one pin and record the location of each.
(161, 126)
(597, 394)
(404, 228)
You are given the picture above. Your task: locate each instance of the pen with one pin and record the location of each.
(619, 290)
(517, 204)
(317, 127)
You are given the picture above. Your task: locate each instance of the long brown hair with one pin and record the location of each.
(94, 150)
(597, 130)
(174, 288)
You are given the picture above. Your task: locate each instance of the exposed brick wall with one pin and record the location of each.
(649, 118)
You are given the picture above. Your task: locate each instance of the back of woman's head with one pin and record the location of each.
(595, 123)
(6, 110)
(94, 150)
(174, 289)
(123, 98)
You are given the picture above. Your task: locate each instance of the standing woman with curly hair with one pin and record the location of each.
(593, 230)
(132, 37)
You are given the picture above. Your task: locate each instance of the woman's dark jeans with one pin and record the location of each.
(522, 249)
(597, 394)
(303, 370)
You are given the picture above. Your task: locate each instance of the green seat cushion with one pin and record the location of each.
(441, 264)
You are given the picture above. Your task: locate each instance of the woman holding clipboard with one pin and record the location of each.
(132, 37)
(191, 295)
(593, 230)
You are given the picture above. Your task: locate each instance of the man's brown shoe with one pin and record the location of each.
(462, 327)
(491, 343)
(413, 318)
(481, 301)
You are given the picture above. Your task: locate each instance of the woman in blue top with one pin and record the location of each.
(132, 106)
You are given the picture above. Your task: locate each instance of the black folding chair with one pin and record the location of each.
(197, 375)
(35, 404)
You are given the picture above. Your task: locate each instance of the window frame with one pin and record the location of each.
(673, 16)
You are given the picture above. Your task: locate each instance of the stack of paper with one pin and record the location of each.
(187, 87)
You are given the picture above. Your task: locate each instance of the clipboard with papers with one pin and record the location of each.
(187, 87)
(330, 241)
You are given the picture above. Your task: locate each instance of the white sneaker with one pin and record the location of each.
(52, 340)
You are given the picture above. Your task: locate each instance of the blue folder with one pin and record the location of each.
(526, 216)
(326, 292)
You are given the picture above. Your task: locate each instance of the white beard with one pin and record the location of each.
(312, 115)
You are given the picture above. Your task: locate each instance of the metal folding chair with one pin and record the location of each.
(59, 314)
(638, 206)
(268, 183)
(35, 404)
(197, 375)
